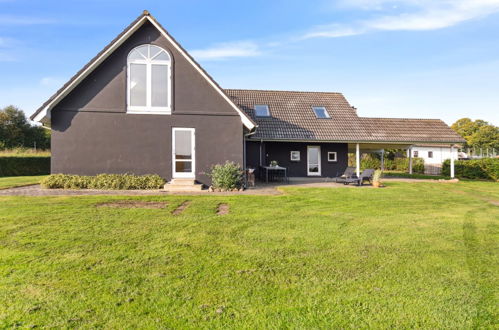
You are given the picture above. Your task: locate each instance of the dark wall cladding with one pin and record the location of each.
(281, 152)
(92, 134)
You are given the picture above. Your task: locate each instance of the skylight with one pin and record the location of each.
(262, 110)
(321, 112)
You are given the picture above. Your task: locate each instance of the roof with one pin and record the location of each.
(42, 114)
(292, 118)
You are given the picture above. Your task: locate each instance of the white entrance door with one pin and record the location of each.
(313, 160)
(183, 152)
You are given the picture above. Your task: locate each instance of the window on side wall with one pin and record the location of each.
(295, 156)
(430, 154)
(332, 156)
(416, 153)
(149, 83)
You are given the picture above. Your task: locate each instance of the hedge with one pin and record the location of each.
(486, 168)
(19, 166)
(103, 181)
(398, 164)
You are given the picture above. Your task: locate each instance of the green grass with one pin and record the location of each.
(419, 255)
(395, 174)
(19, 181)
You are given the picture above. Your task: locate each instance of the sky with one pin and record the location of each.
(390, 58)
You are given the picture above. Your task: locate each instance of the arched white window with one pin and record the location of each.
(149, 80)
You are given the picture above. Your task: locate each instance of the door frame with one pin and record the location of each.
(184, 175)
(308, 161)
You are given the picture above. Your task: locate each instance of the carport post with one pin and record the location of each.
(382, 159)
(410, 160)
(452, 161)
(357, 159)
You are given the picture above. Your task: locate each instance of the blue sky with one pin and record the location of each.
(406, 58)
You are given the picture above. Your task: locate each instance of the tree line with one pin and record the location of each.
(17, 132)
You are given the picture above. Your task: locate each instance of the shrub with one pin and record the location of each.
(18, 166)
(103, 181)
(227, 176)
(487, 168)
(397, 164)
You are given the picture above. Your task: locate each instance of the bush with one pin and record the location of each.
(18, 166)
(103, 181)
(397, 164)
(226, 177)
(487, 168)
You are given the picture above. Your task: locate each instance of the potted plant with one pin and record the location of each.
(377, 179)
(274, 163)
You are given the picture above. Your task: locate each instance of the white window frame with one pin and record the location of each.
(149, 62)
(430, 152)
(329, 153)
(325, 112)
(262, 105)
(294, 159)
(308, 162)
(416, 154)
(186, 175)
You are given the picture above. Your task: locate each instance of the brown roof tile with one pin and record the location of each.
(292, 118)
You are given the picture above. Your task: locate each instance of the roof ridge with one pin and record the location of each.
(283, 91)
(401, 118)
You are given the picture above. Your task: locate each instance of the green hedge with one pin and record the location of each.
(103, 181)
(398, 164)
(487, 168)
(19, 166)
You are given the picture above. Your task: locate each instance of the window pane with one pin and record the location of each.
(183, 145)
(137, 84)
(135, 55)
(159, 84)
(313, 156)
(154, 51)
(262, 111)
(320, 112)
(163, 56)
(183, 166)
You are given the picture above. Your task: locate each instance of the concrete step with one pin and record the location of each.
(183, 182)
(183, 185)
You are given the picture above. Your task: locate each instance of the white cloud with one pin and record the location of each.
(51, 81)
(227, 50)
(23, 20)
(415, 15)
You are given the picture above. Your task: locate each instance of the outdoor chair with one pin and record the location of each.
(367, 174)
(349, 172)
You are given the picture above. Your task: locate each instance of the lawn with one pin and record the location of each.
(412, 255)
(19, 181)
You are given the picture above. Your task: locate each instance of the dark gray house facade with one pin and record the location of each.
(143, 105)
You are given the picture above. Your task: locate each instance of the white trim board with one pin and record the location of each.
(45, 113)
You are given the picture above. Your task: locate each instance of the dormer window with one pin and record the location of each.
(321, 112)
(149, 83)
(262, 110)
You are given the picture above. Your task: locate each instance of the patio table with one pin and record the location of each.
(268, 169)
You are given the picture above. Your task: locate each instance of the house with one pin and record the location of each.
(434, 155)
(144, 105)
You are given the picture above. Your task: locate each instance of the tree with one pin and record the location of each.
(478, 133)
(16, 131)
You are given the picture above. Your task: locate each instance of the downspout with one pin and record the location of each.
(244, 156)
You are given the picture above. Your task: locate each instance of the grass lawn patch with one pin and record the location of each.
(395, 174)
(419, 255)
(19, 181)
